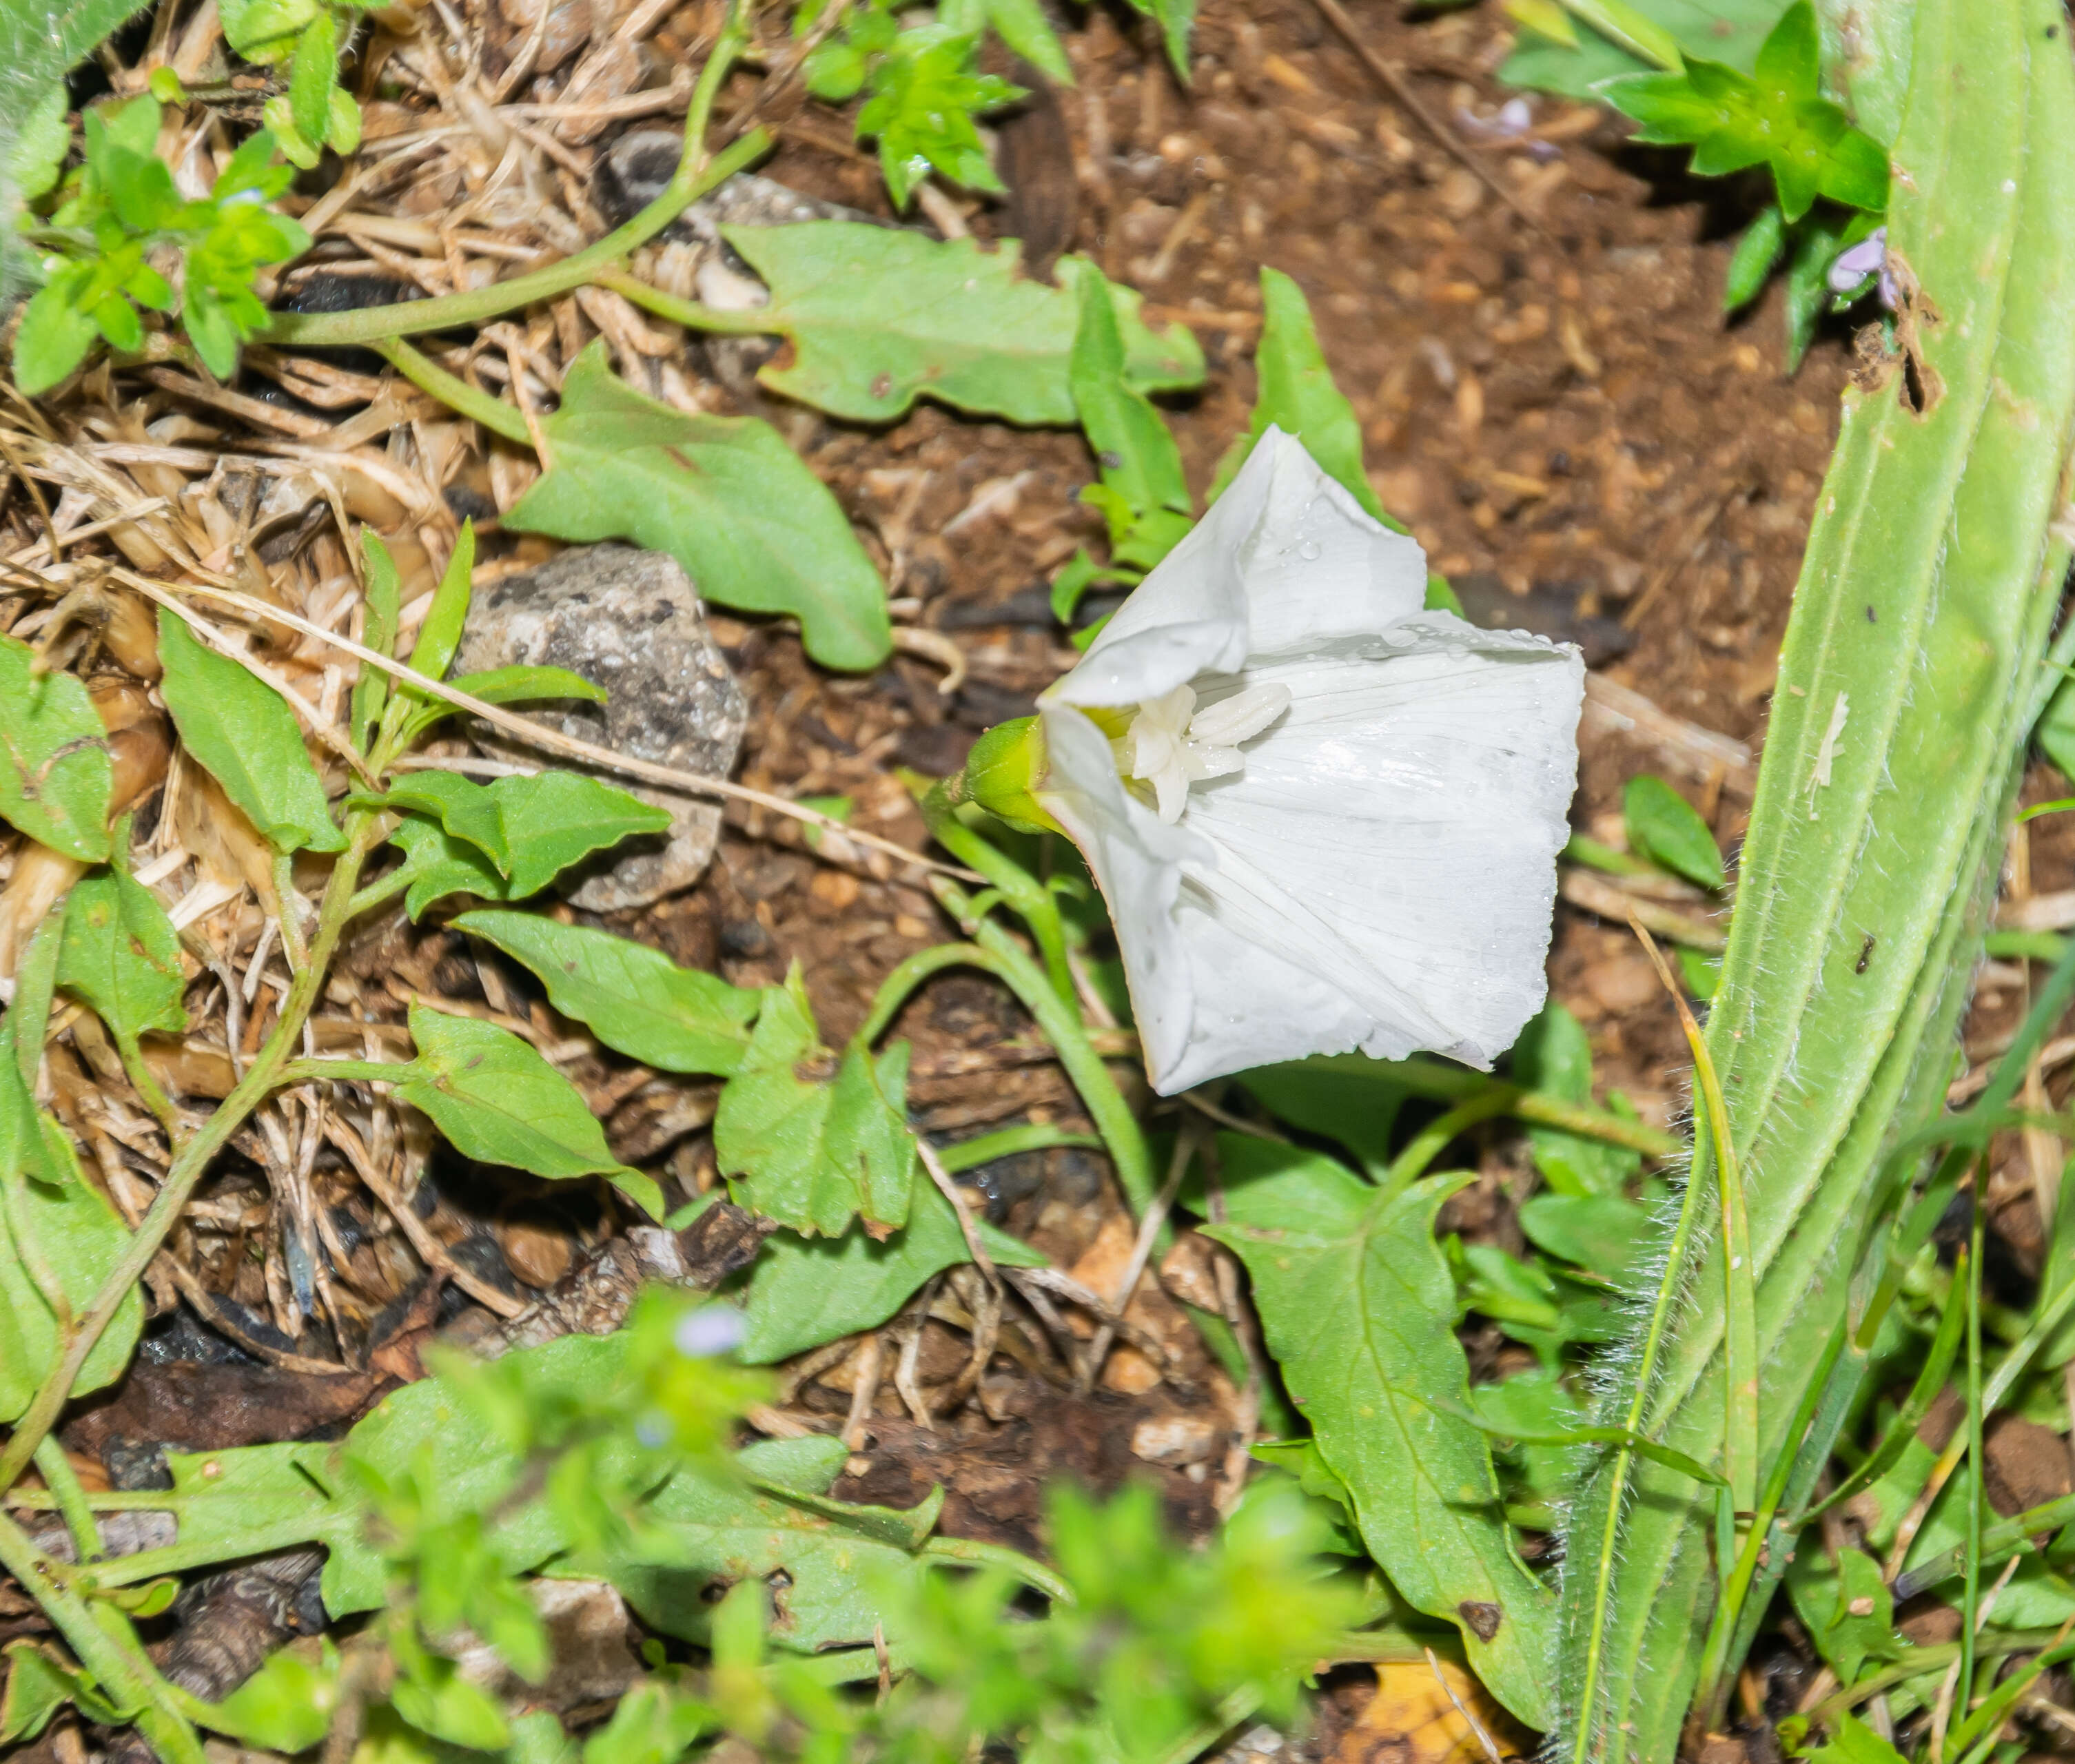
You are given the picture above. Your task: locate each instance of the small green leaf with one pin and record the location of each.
(1756, 253)
(1143, 494)
(813, 1151)
(724, 495)
(265, 30)
(54, 335)
(497, 685)
(496, 1100)
(122, 956)
(531, 827)
(247, 738)
(313, 75)
(922, 97)
(438, 865)
(287, 1705)
(878, 317)
(1553, 1055)
(1600, 1233)
(635, 998)
(40, 145)
(1358, 1308)
(1022, 25)
(1852, 1741)
(807, 1291)
(1664, 827)
(55, 775)
(439, 636)
(39, 1684)
(383, 599)
(1297, 395)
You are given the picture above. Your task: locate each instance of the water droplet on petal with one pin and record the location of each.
(1309, 551)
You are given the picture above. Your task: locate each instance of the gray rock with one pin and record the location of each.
(628, 621)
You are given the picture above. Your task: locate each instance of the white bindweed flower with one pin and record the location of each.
(1323, 817)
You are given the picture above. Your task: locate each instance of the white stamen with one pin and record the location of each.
(1170, 745)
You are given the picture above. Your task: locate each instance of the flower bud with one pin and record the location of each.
(1003, 770)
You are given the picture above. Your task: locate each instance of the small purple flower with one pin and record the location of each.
(1512, 121)
(1869, 257)
(708, 1332)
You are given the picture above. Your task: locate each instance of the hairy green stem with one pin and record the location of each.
(193, 1158)
(1445, 1083)
(125, 1675)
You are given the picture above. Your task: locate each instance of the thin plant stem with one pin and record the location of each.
(262, 1077)
(126, 1677)
(697, 173)
(499, 417)
(1435, 1137)
(1030, 899)
(693, 315)
(63, 1481)
(148, 1087)
(976, 1553)
(1970, 1614)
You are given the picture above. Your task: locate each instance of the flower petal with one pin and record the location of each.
(1385, 865)
(1137, 860)
(1285, 559)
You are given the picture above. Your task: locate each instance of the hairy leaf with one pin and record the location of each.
(247, 738)
(878, 318)
(807, 1290)
(55, 775)
(533, 828)
(634, 998)
(498, 1101)
(812, 1152)
(724, 495)
(1359, 1311)
(122, 956)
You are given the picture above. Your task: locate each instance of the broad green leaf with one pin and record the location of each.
(1355, 1108)
(807, 1290)
(1359, 1311)
(247, 738)
(438, 865)
(633, 998)
(1553, 1055)
(1854, 1742)
(533, 828)
(812, 1152)
(1600, 1233)
(1664, 827)
(383, 596)
(74, 1240)
(878, 318)
(1143, 494)
(55, 772)
(844, 1568)
(39, 1685)
(1847, 1609)
(287, 1705)
(122, 956)
(499, 1102)
(724, 495)
(1297, 395)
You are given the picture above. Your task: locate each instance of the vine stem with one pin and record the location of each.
(193, 1158)
(698, 172)
(107, 1649)
(499, 417)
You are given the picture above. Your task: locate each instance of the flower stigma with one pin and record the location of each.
(1169, 744)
